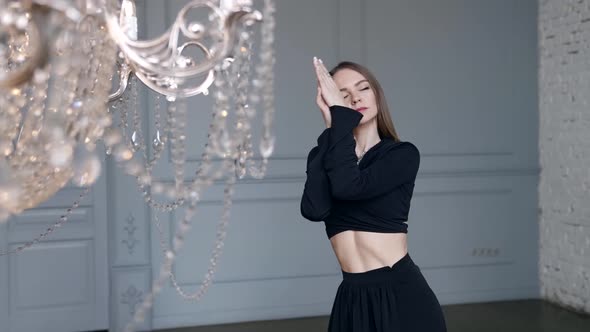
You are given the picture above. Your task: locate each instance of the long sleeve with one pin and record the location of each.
(397, 166)
(316, 201)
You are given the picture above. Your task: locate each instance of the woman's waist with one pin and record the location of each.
(359, 251)
(335, 225)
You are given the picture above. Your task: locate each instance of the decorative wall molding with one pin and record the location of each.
(131, 297)
(130, 229)
(129, 286)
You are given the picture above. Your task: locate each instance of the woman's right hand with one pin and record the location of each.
(324, 108)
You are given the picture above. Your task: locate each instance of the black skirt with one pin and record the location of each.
(389, 299)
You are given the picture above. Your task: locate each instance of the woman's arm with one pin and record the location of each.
(316, 201)
(347, 181)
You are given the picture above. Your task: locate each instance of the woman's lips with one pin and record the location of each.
(361, 109)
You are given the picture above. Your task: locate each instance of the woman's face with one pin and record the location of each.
(357, 93)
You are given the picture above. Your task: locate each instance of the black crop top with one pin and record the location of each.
(372, 196)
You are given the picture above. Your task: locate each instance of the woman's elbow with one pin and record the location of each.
(314, 214)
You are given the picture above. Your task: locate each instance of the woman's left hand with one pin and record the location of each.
(329, 90)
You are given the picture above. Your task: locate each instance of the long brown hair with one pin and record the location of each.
(385, 126)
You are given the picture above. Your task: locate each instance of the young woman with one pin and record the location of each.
(360, 180)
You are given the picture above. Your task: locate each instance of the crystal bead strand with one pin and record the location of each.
(124, 114)
(134, 170)
(159, 141)
(170, 255)
(38, 97)
(177, 146)
(241, 72)
(123, 105)
(177, 243)
(205, 163)
(178, 159)
(99, 84)
(242, 126)
(37, 106)
(200, 181)
(220, 143)
(138, 144)
(222, 104)
(219, 243)
(137, 140)
(222, 99)
(17, 100)
(263, 85)
(9, 125)
(62, 220)
(103, 82)
(215, 254)
(31, 149)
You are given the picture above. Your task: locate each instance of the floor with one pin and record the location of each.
(506, 316)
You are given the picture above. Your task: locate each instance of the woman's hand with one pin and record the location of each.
(328, 92)
(324, 108)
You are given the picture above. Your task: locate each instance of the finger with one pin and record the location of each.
(322, 81)
(316, 66)
(329, 82)
(325, 83)
(321, 102)
(319, 74)
(323, 68)
(319, 68)
(324, 108)
(321, 96)
(322, 73)
(326, 77)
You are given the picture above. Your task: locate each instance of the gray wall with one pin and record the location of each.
(460, 77)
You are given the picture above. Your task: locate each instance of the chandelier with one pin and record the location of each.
(52, 102)
(70, 72)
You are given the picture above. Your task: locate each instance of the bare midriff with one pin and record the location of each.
(359, 251)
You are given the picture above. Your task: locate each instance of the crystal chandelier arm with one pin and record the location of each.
(178, 92)
(125, 71)
(138, 52)
(154, 61)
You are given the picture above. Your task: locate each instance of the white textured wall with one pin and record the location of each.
(564, 149)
